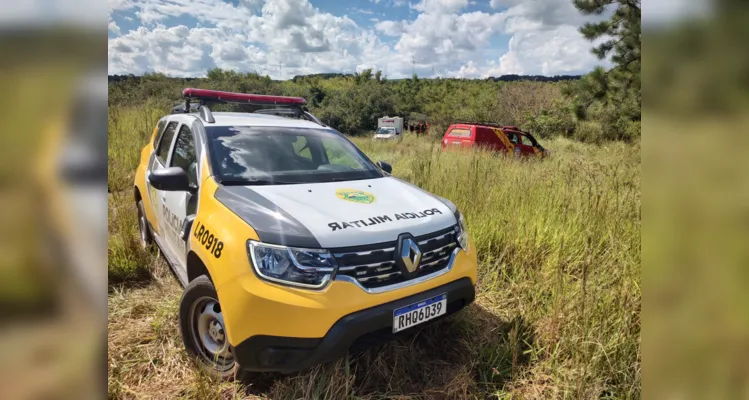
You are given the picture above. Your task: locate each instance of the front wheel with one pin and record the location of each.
(146, 239)
(203, 330)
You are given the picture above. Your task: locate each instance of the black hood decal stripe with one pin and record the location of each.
(272, 224)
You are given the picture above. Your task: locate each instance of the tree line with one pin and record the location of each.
(329, 75)
(353, 103)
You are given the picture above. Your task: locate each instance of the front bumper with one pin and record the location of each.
(354, 331)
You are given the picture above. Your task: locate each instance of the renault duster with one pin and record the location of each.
(293, 247)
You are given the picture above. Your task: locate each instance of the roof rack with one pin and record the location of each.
(206, 114)
(283, 104)
(508, 127)
(479, 123)
(286, 111)
(242, 98)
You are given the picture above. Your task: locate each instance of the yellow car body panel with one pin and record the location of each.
(503, 138)
(140, 181)
(225, 227)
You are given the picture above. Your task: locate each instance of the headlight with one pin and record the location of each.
(307, 268)
(462, 232)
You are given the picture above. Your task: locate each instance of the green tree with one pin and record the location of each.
(617, 90)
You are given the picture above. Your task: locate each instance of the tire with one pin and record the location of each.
(144, 232)
(202, 326)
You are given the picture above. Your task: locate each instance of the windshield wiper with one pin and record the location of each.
(251, 182)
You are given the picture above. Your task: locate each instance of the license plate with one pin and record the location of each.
(417, 313)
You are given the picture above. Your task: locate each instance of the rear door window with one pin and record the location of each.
(183, 155)
(460, 133)
(159, 131)
(527, 141)
(162, 152)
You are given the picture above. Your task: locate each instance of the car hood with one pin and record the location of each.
(338, 214)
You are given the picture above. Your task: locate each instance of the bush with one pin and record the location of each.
(589, 132)
(557, 120)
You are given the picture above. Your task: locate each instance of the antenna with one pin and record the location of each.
(280, 64)
(413, 65)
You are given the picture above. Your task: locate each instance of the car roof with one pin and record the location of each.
(504, 128)
(245, 119)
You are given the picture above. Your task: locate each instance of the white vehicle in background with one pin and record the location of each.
(389, 128)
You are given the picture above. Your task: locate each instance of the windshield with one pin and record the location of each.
(385, 131)
(280, 155)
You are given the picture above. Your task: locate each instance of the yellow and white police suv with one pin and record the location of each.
(293, 246)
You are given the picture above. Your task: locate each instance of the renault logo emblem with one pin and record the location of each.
(410, 254)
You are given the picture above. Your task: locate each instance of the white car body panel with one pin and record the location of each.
(316, 206)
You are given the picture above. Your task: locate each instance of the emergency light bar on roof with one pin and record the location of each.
(284, 105)
(205, 95)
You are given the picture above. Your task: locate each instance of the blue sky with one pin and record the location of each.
(283, 38)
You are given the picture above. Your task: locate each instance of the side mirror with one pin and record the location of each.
(385, 167)
(173, 179)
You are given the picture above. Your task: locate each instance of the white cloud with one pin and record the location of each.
(390, 28)
(214, 12)
(175, 51)
(259, 35)
(440, 6)
(550, 52)
(119, 5)
(356, 10)
(504, 3)
(468, 70)
(445, 40)
(508, 63)
(551, 13)
(291, 33)
(112, 26)
(545, 39)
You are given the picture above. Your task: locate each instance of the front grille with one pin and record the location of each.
(374, 265)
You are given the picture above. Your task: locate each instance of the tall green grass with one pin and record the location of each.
(558, 308)
(559, 247)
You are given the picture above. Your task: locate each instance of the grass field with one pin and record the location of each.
(559, 297)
